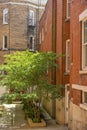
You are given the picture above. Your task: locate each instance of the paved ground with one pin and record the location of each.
(17, 121)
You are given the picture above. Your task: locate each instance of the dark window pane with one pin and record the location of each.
(5, 42)
(85, 31)
(85, 55)
(85, 97)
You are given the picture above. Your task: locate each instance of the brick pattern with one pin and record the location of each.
(17, 29)
(77, 7)
(46, 24)
(62, 34)
(56, 32)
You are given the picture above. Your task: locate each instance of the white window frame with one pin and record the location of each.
(42, 34)
(84, 46)
(68, 9)
(5, 16)
(83, 89)
(67, 55)
(4, 48)
(40, 38)
(31, 20)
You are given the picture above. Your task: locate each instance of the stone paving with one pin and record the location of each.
(15, 120)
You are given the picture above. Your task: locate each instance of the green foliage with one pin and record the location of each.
(26, 75)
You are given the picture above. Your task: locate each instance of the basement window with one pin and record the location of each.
(5, 16)
(83, 105)
(84, 98)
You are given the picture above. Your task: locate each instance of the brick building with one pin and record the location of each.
(78, 73)
(54, 35)
(19, 25)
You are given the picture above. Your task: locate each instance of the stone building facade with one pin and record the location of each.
(54, 35)
(19, 26)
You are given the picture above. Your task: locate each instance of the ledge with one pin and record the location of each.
(83, 72)
(33, 125)
(67, 19)
(83, 106)
(5, 49)
(67, 73)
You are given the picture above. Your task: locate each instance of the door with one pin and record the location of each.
(67, 95)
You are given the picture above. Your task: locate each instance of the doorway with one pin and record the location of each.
(67, 98)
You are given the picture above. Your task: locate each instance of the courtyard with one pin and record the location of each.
(13, 118)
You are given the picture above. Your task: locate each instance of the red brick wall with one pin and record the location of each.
(46, 24)
(63, 34)
(77, 7)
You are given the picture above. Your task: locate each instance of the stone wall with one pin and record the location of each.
(77, 118)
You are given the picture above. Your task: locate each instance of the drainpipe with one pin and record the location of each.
(9, 26)
(54, 16)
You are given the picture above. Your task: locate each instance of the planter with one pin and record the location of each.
(40, 124)
(2, 107)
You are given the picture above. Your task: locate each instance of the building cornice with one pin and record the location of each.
(25, 4)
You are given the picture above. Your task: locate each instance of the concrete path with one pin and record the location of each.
(18, 121)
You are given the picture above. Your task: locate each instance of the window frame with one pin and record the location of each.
(40, 37)
(83, 98)
(67, 55)
(31, 49)
(31, 20)
(84, 45)
(68, 9)
(5, 48)
(42, 34)
(5, 18)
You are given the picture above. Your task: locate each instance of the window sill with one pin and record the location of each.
(5, 49)
(83, 72)
(67, 73)
(31, 50)
(67, 19)
(83, 106)
(5, 23)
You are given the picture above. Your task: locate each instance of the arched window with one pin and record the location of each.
(31, 17)
(5, 16)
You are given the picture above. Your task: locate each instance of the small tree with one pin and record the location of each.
(26, 77)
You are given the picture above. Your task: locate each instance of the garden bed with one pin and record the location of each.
(34, 124)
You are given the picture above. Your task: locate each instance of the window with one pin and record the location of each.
(84, 44)
(42, 34)
(84, 97)
(31, 43)
(4, 42)
(68, 9)
(68, 55)
(31, 17)
(5, 16)
(40, 38)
